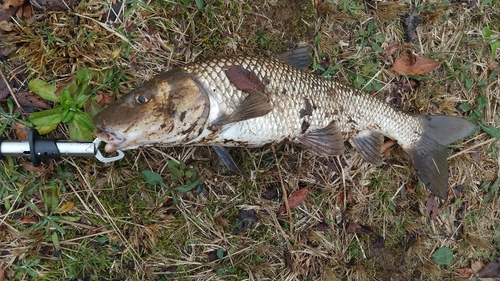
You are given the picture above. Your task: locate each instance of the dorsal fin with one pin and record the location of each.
(299, 57)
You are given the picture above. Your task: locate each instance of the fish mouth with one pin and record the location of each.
(112, 139)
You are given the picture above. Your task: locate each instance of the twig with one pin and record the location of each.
(10, 90)
(283, 189)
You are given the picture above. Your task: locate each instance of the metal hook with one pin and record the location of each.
(103, 159)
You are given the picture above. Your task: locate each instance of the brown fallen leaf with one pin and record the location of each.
(294, 200)
(28, 219)
(66, 207)
(476, 266)
(2, 274)
(491, 270)
(21, 131)
(12, 4)
(432, 207)
(103, 99)
(28, 166)
(406, 65)
(355, 227)
(465, 272)
(31, 102)
(391, 48)
(5, 25)
(385, 149)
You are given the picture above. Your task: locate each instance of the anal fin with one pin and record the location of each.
(368, 144)
(327, 140)
(256, 104)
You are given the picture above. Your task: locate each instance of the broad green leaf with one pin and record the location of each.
(79, 128)
(55, 241)
(486, 32)
(176, 174)
(67, 115)
(46, 129)
(43, 89)
(482, 102)
(47, 117)
(199, 4)
(188, 187)
(82, 95)
(494, 45)
(66, 100)
(490, 130)
(83, 76)
(153, 178)
(443, 255)
(464, 107)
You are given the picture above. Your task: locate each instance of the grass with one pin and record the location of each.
(83, 220)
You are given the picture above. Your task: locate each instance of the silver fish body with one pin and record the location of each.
(252, 101)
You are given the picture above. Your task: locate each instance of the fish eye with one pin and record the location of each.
(142, 97)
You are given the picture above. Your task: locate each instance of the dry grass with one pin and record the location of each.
(121, 228)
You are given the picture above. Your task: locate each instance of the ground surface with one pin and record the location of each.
(78, 219)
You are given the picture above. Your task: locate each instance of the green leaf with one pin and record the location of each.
(67, 115)
(67, 101)
(486, 32)
(81, 95)
(43, 89)
(46, 129)
(188, 187)
(443, 255)
(153, 178)
(482, 102)
(199, 4)
(491, 130)
(55, 241)
(494, 45)
(47, 117)
(176, 174)
(83, 76)
(220, 253)
(80, 127)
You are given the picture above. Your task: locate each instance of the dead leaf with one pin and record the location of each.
(465, 272)
(245, 220)
(27, 11)
(12, 4)
(410, 24)
(476, 266)
(385, 149)
(391, 48)
(28, 219)
(288, 260)
(294, 200)
(341, 198)
(28, 166)
(420, 66)
(355, 227)
(5, 26)
(66, 207)
(31, 102)
(2, 274)
(491, 270)
(432, 207)
(21, 131)
(454, 192)
(103, 99)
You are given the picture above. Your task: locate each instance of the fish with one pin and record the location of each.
(250, 101)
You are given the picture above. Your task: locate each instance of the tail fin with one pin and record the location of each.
(429, 155)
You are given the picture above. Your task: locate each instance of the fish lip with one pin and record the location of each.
(112, 139)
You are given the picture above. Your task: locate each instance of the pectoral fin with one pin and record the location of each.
(368, 144)
(327, 140)
(226, 158)
(255, 105)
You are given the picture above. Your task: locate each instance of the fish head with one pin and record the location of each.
(168, 110)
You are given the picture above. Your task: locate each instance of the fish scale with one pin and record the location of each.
(358, 111)
(251, 101)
